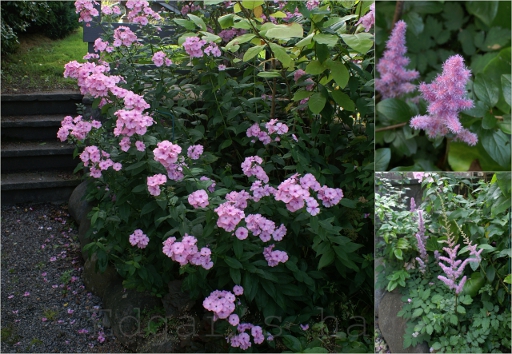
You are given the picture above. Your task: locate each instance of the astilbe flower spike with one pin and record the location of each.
(394, 78)
(421, 238)
(446, 97)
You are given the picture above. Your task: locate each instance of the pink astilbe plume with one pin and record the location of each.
(421, 239)
(446, 97)
(395, 80)
(368, 20)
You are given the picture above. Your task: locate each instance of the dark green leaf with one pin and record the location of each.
(497, 145)
(484, 10)
(343, 100)
(487, 89)
(382, 158)
(317, 102)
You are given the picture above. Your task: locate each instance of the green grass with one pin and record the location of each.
(38, 65)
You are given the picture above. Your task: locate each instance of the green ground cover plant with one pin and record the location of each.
(450, 260)
(38, 64)
(237, 156)
(423, 128)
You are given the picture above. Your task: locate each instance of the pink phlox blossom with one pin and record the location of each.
(446, 97)
(212, 49)
(166, 153)
(241, 233)
(191, 7)
(154, 183)
(368, 20)
(139, 239)
(222, 67)
(239, 199)
(86, 10)
(273, 258)
(233, 319)
(394, 78)
(134, 101)
(229, 216)
(330, 196)
(260, 226)
(420, 176)
(251, 167)
(242, 341)
(195, 151)
(130, 122)
(221, 303)
(77, 127)
(160, 58)
(238, 290)
(193, 47)
(211, 187)
(100, 45)
(198, 199)
(259, 190)
(292, 193)
(279, 233)
(140, 12)
(312, 4)
(175, 170)
(186, 251)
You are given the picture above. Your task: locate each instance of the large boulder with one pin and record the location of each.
(77, 205)
(96, 281)
(393, 327)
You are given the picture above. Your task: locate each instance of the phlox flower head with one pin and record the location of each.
(140, 12)
(198, 199)
(260, 226)
(251, 167)
(160, 58)
(330, 196)
(368, 20)
(124, 36)
(166, 153)
(213, 50)
(221, 303)
(239, 199)
(211, 187)
(241, 233)
(273, 258)
(238, 290)
(292, 194)
(228, 216)
(193, 47)
(154, 183)
(139, 239)
(394, 79)
(86, 10)
(195, 151)
(446, 98)
(186, 251)
(311, 4)
(130, 122)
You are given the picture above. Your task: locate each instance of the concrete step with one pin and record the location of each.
(37, 155)
(31, 127)
(34, 104)
(34, 187)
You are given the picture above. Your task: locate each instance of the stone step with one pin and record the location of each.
(35, 187)
(31, 127)
(37, 155)
(34, 104)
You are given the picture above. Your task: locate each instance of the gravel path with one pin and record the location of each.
(45, 306)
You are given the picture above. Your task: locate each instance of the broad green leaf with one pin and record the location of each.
(497, 145)
(315, 67)
(198, 21)
(305, 41)
(233, 263)
(326, 259)
(185, 23)
(398, 254)
(394, 111)
(281, 55)
(489, 121)
(382, 158)
(292, 343)
(417, 312)
(302, 94)
(473, 284)
(329, 39)
(233, 44)
(484, 10)
(487, 89)
(252, 4)
(360, 42)
(292, 30)
(461, 309)
(454, 320)
(508, 279)
(343, 100)
(505, 87)
(460, 156)
(226, 21)
(252, 52)
(317, 102)
(414, 22)
(496, 39)
(339, 72)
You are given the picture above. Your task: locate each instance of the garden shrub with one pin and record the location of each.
(477, 36)
(450, 258)
(237, 156)
(60, 20)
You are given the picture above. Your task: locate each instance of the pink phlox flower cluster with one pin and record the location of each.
(330, 196)
(291, 15)
(280, 4)
(154, 182)
(243, 340)
(108, 10)
(312, 4)
(102, 46)
(260, 226)
(159, 58)
(259, 190)
(273, 258)
(229, 34)
(98, 159)
(186, 251)
(394, 78)
(233, 319)
(140, 12)
(229, 216)
(130, 122)
(77, 127)
(167, 153)
(86, 10)
(368, 20)
(213, 50)
(251, 167)
(124, 36)
(140, 146)
(241, 233)
(211, 187)
(91, 78)
(420, 176)
(191, 7)
(239, 199)
(91, 56)
(292, 194)
(195, 151)
(454, 267)
(198, 199)
(238, 290)
(175, 170)
(132, 100)
(222, 67)
(446, 97)
(139, 239)
(221, 303)
(193, 47)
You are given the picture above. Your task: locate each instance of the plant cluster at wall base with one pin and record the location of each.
(451, 260)
(443, 83)
(237, 156)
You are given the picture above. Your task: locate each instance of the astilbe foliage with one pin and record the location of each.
(446, 98)
(394, 79)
